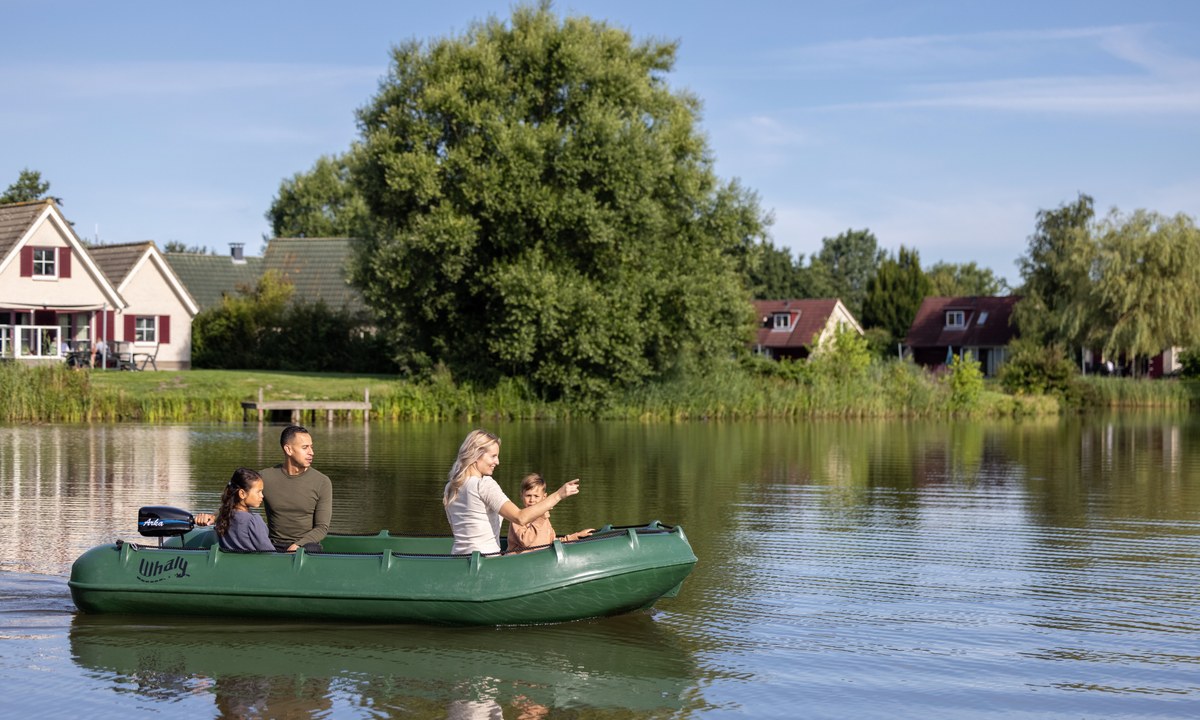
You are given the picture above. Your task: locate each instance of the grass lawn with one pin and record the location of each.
(245, 384)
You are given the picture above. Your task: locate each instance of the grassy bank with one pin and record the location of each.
(893, 389)
(55, 394)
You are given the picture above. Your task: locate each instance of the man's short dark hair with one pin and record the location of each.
(290, 432)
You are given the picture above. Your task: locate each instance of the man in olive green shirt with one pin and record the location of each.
(298, 498)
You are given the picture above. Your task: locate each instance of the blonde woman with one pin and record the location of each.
(475, 504)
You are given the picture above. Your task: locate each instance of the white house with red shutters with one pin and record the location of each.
(59, 298)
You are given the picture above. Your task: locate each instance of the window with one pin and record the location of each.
(782, 321)
(5, 341)
(44, 264)
(955, 319)
(38, 341)
(148, 329)
(982, 317)
(145, 329)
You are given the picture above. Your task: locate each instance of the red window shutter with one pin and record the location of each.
(64, 262)
(26, 261)
(130, 324)
(106, 325)
(164, 329)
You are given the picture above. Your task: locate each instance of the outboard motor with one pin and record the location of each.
(162, 521)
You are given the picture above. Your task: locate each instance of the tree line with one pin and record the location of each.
(531, 199)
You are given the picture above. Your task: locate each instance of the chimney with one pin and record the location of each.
(235, 253)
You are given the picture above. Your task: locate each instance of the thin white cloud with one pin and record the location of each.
(1089, 95)
(1105, 70)
(138, 79)
(902, 54)
(765, 131)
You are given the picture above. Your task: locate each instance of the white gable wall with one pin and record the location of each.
(150, 292)
(82, 289)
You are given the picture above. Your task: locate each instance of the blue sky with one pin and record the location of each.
(942, 126)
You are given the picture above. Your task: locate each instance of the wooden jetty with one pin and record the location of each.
(297, 408)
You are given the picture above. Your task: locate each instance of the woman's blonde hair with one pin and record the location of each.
(469, 452)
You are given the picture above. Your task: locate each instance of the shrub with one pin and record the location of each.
(1190, 361)
(845, 359)
(259, 329)
(966, 383)
(1034, 369)
(881, 342)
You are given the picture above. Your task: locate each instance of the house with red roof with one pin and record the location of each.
(977, 326)
(793, 329)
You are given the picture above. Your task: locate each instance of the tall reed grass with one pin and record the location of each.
(40, 393)
(55, 393)
(1116, 392)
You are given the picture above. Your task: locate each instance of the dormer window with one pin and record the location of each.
(781, 321)
(956, 319)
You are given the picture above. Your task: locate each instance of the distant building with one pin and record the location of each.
(793, 329)
(948, 326)
(210, 277)
(318, 269)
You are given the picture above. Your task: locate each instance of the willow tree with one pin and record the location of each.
(1146, 283)
(545, 207)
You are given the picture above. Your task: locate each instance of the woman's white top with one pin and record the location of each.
(475, 516)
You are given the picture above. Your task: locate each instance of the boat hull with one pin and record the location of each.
(386, 578)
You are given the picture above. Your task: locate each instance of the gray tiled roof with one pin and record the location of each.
(15, 220)
(318, 268)
(209, 277)
(116, 261)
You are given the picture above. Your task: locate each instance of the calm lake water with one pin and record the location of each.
(1043, 569)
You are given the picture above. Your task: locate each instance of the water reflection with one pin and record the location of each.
(266, 669)
(1046, 568)
(60, 485)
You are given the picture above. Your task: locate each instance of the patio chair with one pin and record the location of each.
(141, 360)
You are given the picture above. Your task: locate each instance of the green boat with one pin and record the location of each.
(381, 578)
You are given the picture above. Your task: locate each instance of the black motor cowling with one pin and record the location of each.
(162, 521)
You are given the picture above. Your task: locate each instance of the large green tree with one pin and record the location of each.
(895, 292)
(843, 267)
(323, 202)
(1056, 274)
(544, 206)
(29, 186)
(964, 279)
(774, 275)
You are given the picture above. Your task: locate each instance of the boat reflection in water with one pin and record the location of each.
(268, 669)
